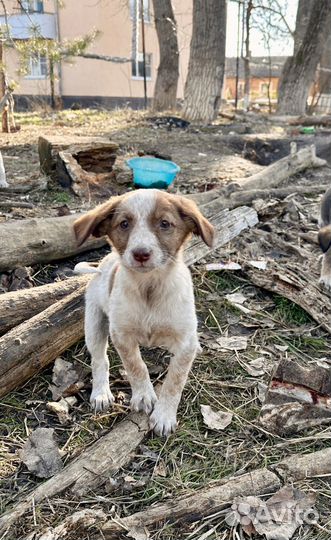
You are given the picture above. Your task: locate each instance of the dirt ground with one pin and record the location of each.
(275, 328)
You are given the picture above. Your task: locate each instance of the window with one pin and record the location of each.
(264, 89)
(137, 3)
(32, 6)
(138, 66)
(37, 67)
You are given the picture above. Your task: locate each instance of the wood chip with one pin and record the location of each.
(217, 420)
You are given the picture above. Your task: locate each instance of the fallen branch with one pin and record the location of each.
(219, 495)
(239, 198)
(270, 177)
(193, 507)
(15, 204)
(91, 469)
(31, 241)
(324, 120)
(18, 306)
(295, 284)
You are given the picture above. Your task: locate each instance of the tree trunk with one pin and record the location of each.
(325, 69)
(5, 127)
(299, 70)
(247, 69)
(165, 92)
(207, 58)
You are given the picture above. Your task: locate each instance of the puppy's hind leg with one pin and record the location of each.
(96, 338)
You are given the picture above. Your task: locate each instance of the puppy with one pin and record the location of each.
(142, 294)
(324, 238)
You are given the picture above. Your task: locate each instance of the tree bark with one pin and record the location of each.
(207, 59)
(33, 241)
(165, 92)
(299, 69)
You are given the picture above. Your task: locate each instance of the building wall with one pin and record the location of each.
(257, 89)
(87, 78)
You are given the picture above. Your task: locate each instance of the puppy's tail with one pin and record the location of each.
(86, 268)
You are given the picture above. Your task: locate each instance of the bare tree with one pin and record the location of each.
(247, 57)
(207, 59)
(299, 69)
(165, 92)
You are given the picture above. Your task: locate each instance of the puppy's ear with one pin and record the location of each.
(94, 222)
(324, 238)
(196, 222)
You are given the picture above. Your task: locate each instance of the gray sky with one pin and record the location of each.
(280, 47)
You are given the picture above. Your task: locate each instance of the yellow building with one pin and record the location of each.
(84, 81)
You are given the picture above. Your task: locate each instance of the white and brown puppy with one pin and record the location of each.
(324, 238)
(142, 294)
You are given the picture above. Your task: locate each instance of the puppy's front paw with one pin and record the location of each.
(143, 398)
(163, 420)
(101, 399)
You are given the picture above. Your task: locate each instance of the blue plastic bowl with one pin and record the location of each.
(153, 172)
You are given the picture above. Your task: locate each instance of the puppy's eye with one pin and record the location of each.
(164, 224)
(124, 224)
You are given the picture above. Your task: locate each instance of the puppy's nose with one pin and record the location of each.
(141, 255)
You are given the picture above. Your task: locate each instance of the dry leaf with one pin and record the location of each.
(65, 379)
(233, 343)
(40, 453)
(139, 533)
(61, 408)
(217, 420)
(256, 367)
(236, 298)
(223, 266)
(277, 518)
(160, 469)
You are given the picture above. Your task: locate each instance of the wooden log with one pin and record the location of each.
(240, 198)
(48, 149)
(288, 166)
(24, 350)
(32, 345)
(300, 467)
(324, 120)
(296, 284)
(198, 504)
(271, 176)
(18, 306)
(91, 469)
(31, 241)
(298, 398)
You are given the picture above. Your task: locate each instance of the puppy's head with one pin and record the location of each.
(324, 238)
(147, 227)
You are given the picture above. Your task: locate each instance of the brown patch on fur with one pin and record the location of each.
(326, 266)
(184, 217)
(326, 208)
(324, 238)
(96, 222)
